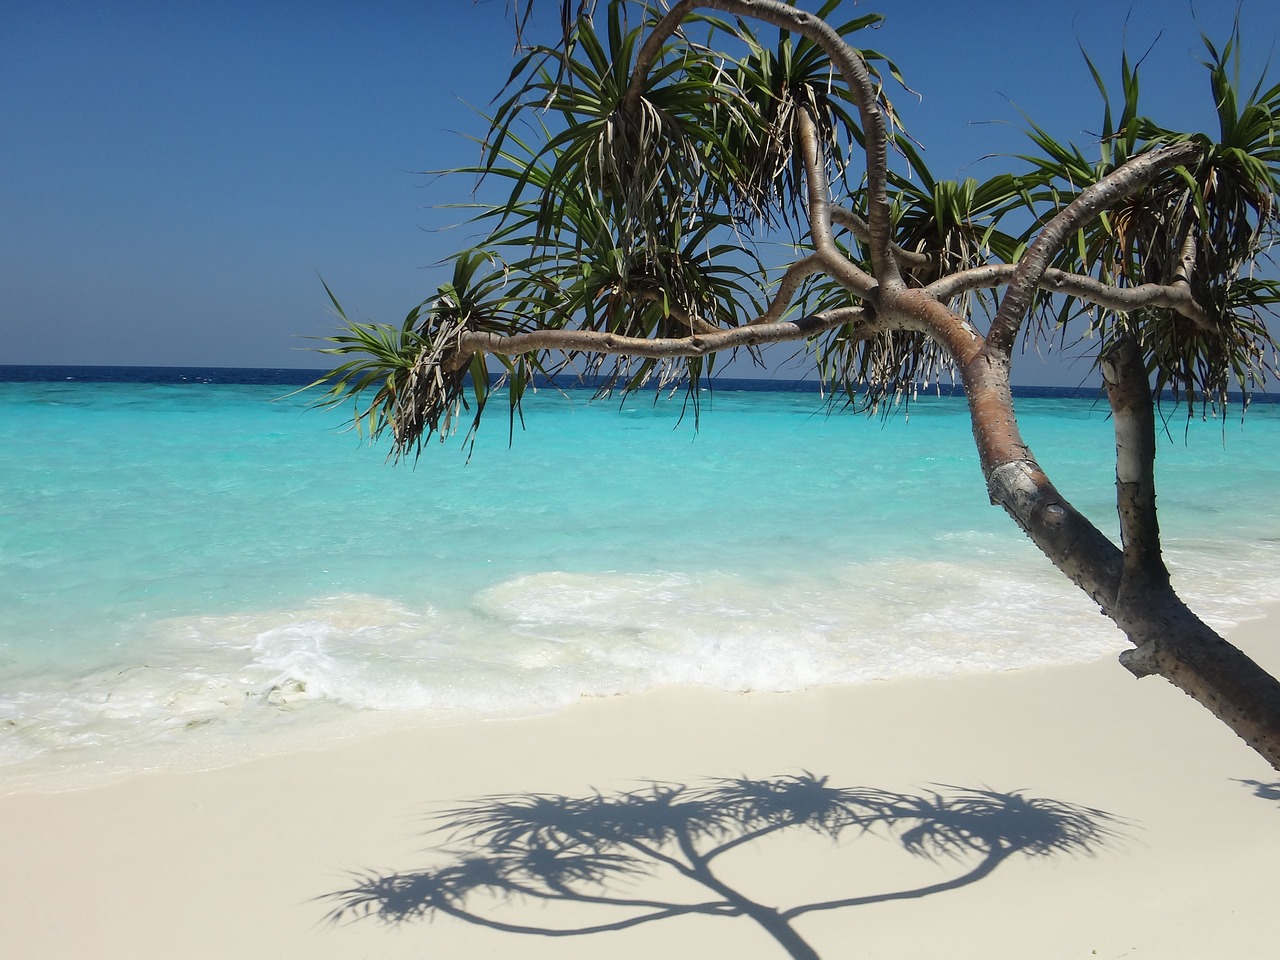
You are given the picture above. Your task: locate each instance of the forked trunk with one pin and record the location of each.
(1130, 585)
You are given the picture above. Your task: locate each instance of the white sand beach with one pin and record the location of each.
(237, 861)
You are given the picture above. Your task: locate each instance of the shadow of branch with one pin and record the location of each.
(548, 848)
(1264, 791)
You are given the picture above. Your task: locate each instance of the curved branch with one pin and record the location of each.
(1176, 296)
(840, 267)
(787, 287)
(695, 323)
(655, 853)
(818, 188)
(663, 31)
(596, 341)
(564, 893)
(846, 218)
(827, 255)
(1092, 201)
(748, 837)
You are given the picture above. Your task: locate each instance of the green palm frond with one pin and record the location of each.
(415, 394)
(775, 85)
(1201, 226)
(639, 209)
(642, 160)
(956, 223)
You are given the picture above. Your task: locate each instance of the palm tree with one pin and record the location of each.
(645, 163)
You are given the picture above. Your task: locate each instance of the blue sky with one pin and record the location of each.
(177, 176)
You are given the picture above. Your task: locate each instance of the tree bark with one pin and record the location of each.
(1130, 586)
(1092, 201)
(1133, 416)
(1177, 645)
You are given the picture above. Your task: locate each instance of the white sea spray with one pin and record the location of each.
(192, 564)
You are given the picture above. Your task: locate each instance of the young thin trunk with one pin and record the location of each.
(1133, 417)
(1131, 586)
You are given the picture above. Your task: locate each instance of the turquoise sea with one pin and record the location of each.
(193, 570)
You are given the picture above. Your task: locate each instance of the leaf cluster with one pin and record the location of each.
(1205, 227)
(627, 193)
(637, 181)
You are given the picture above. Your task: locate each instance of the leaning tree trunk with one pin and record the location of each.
(1130, 585)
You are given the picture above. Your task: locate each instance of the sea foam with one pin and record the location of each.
(199, 568)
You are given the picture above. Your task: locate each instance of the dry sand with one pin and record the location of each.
(233, 862)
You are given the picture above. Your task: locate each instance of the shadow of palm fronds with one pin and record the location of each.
(550, 848)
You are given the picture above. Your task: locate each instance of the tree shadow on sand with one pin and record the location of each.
(585, 850)
(1263, 791)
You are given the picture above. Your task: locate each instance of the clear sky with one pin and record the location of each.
(177, 176)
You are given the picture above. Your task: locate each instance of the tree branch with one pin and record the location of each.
(748, 837)
(1176, 296)
(840, 267)
(1186, 257)
(787, 287)
(563, 892)
(697, 345)
(662, 31)
(1091, 202)
(846, 218)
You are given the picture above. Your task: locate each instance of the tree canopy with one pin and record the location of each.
(651, 180)
(676, 181)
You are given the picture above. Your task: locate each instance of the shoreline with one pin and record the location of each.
(320, 726)
(237, 859)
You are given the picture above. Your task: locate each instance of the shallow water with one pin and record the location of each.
(198, 567)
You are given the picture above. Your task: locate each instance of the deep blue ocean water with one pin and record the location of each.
(192, 561)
